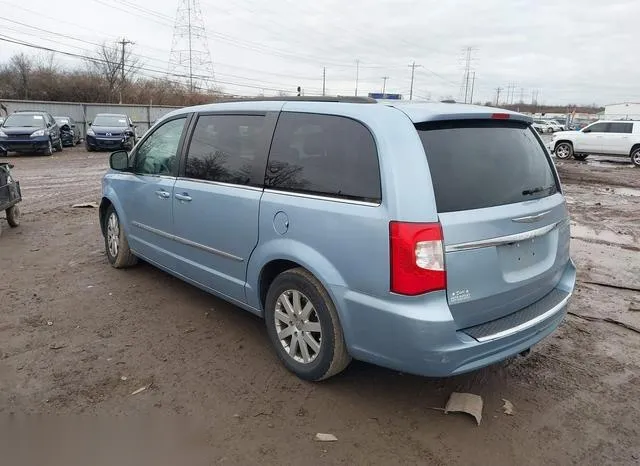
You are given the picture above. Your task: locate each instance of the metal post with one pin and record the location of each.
(324, 79)
(357, 75)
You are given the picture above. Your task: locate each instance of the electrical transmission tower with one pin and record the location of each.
(466, 85)
(190, 55)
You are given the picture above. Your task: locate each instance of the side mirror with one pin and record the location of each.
(119, 160)
(89, 124)
(586, 130)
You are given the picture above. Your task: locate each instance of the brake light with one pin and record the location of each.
(417, 258)
(500, 116)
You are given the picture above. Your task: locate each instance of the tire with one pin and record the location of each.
(49, 150)
(59, 146)
(564, 150)
(115, 242)
(580, 156)
(635, 156)
(331, 356)
(13, 216)
(89, 148)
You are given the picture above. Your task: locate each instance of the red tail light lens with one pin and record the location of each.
(417, 258)
(500, 116)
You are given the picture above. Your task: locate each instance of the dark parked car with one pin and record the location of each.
(30, 131)
(111, 131)
(69, 131)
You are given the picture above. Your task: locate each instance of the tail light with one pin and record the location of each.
(417, 258)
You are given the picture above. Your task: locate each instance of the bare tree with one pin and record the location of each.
(22, 65)
(112, 66)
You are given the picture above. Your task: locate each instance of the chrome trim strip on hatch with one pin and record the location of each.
(501, 240)
(527, 324)
(530, 218)
(179, 239)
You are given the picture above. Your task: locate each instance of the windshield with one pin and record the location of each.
(24, 119)
(485, 163)
(110, 120)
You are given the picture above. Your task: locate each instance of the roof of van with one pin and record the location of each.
(417, 112)
(436, 111)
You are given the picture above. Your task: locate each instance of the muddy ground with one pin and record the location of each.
(77, 336)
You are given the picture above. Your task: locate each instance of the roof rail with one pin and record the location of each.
(348, 99)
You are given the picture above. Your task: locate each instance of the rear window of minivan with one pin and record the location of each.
(484, 163)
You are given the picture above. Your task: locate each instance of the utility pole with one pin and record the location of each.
(498, 91)
(522, 95)
(357, 75)
(384, 85)
(124, 42)
(324, 79)
(473, 85)
(413, 71)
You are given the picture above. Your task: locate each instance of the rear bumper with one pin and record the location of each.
(420, 336)
(25, 145)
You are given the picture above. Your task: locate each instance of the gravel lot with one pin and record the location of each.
(77, 336)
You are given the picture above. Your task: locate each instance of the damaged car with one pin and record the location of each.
(110, 131)
(69, 131)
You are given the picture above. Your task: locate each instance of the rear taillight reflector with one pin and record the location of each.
(417, 258)
(500, 116)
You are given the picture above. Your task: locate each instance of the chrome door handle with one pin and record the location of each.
(183, 197)
(163, 194)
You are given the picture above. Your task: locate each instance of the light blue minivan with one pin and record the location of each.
(428, 238)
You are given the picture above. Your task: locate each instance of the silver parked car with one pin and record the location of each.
(427, 238)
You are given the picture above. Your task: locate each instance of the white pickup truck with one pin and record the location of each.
(611, 138)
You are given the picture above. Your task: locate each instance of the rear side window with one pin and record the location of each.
(598, 128)
(620, 127)
(224, 148)
(478, 164)
(326, 155)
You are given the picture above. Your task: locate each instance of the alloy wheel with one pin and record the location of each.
(298, 327)
(113, 234)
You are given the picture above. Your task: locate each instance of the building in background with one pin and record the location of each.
(622, 111)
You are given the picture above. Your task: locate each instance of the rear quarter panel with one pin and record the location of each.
(346, 244)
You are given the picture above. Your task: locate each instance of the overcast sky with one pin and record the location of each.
(569, 51)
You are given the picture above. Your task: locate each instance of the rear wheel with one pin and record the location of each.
(115, 241)
(13, 216)
(635, 156)
(564, 150)
(303, 326)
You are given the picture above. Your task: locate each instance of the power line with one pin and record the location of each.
(6, 38)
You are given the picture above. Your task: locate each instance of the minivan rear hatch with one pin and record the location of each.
(503, 217)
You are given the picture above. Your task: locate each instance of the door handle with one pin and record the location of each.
(183, 197)
(163, 194)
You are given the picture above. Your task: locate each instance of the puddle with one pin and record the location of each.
(627, 191)
(608, 163)
(587, 233)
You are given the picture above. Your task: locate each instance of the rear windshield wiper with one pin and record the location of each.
(528, 192)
